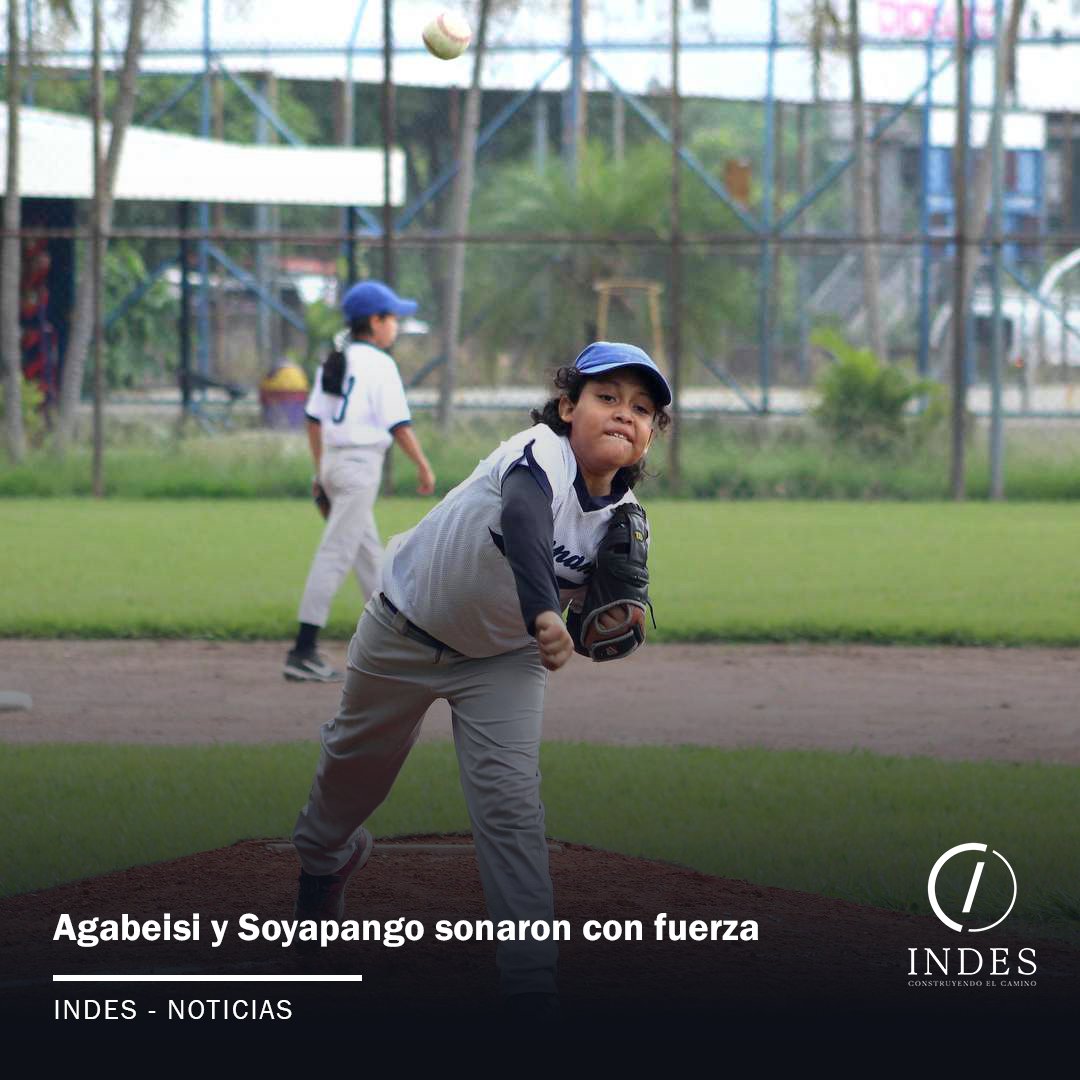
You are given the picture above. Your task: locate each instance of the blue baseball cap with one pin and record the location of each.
(603, 356)
(368, 298)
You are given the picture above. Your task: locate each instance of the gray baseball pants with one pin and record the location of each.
(350, 476)
(497, 708)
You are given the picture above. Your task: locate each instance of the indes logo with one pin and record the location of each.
(971, 889)
(962, 869)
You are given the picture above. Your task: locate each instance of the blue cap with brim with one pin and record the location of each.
(603, 356)
(367, 298)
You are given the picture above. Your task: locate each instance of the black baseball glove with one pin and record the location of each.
(611, 623)
(322, 500)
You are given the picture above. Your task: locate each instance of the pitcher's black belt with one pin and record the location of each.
(410, 629)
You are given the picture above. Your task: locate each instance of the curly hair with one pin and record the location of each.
(570, 382)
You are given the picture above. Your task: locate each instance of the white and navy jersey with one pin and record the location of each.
(372, 402)
(449, 574)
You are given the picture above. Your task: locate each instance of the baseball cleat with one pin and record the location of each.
(322, 896)
(309, 667)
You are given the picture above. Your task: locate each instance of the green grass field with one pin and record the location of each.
(742, 571)
(857, 826)
(722, 457)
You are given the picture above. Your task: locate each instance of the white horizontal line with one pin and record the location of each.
(207, 978)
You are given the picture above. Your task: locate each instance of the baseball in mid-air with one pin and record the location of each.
(447, 35)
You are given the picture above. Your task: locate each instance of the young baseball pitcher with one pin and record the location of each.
(470, 611)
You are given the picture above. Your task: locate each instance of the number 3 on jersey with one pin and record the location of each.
(346, 390)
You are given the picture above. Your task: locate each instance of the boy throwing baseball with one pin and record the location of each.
(470, 610)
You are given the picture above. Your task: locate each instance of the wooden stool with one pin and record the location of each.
(631, 286)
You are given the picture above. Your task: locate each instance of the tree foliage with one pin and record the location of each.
(142, 343)
(541, 297)
(864, 402)
(30, 399)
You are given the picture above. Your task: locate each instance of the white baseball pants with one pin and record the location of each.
(350, 541)
(496, 705)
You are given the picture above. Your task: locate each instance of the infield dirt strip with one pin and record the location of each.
(818, 958)
(953, 703)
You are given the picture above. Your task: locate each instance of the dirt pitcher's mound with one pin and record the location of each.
(813, 956)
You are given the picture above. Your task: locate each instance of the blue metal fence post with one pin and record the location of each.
(971, 357)
(572, 119)
(997, 455)
(184, 219)
(389, 136)
(924, 204)
(802, 280)
(348, 216)
(765, 287)
(265, 250)
(961, 303)
(203, 316)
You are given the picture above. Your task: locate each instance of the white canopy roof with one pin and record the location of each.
(57, 162)
(1020, 131)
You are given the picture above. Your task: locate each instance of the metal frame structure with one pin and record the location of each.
(767, 229)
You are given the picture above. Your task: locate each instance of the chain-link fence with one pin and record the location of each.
(728, 267)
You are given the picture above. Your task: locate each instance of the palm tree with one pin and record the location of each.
(865, 225)
(979, 204)
(459, 221)
(826, 30)
(629, 200)
(82, 321)
(971, 214)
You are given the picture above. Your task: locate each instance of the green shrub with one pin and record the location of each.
(32, 414)
(864, 402)
(137, 350)
(723, 457)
